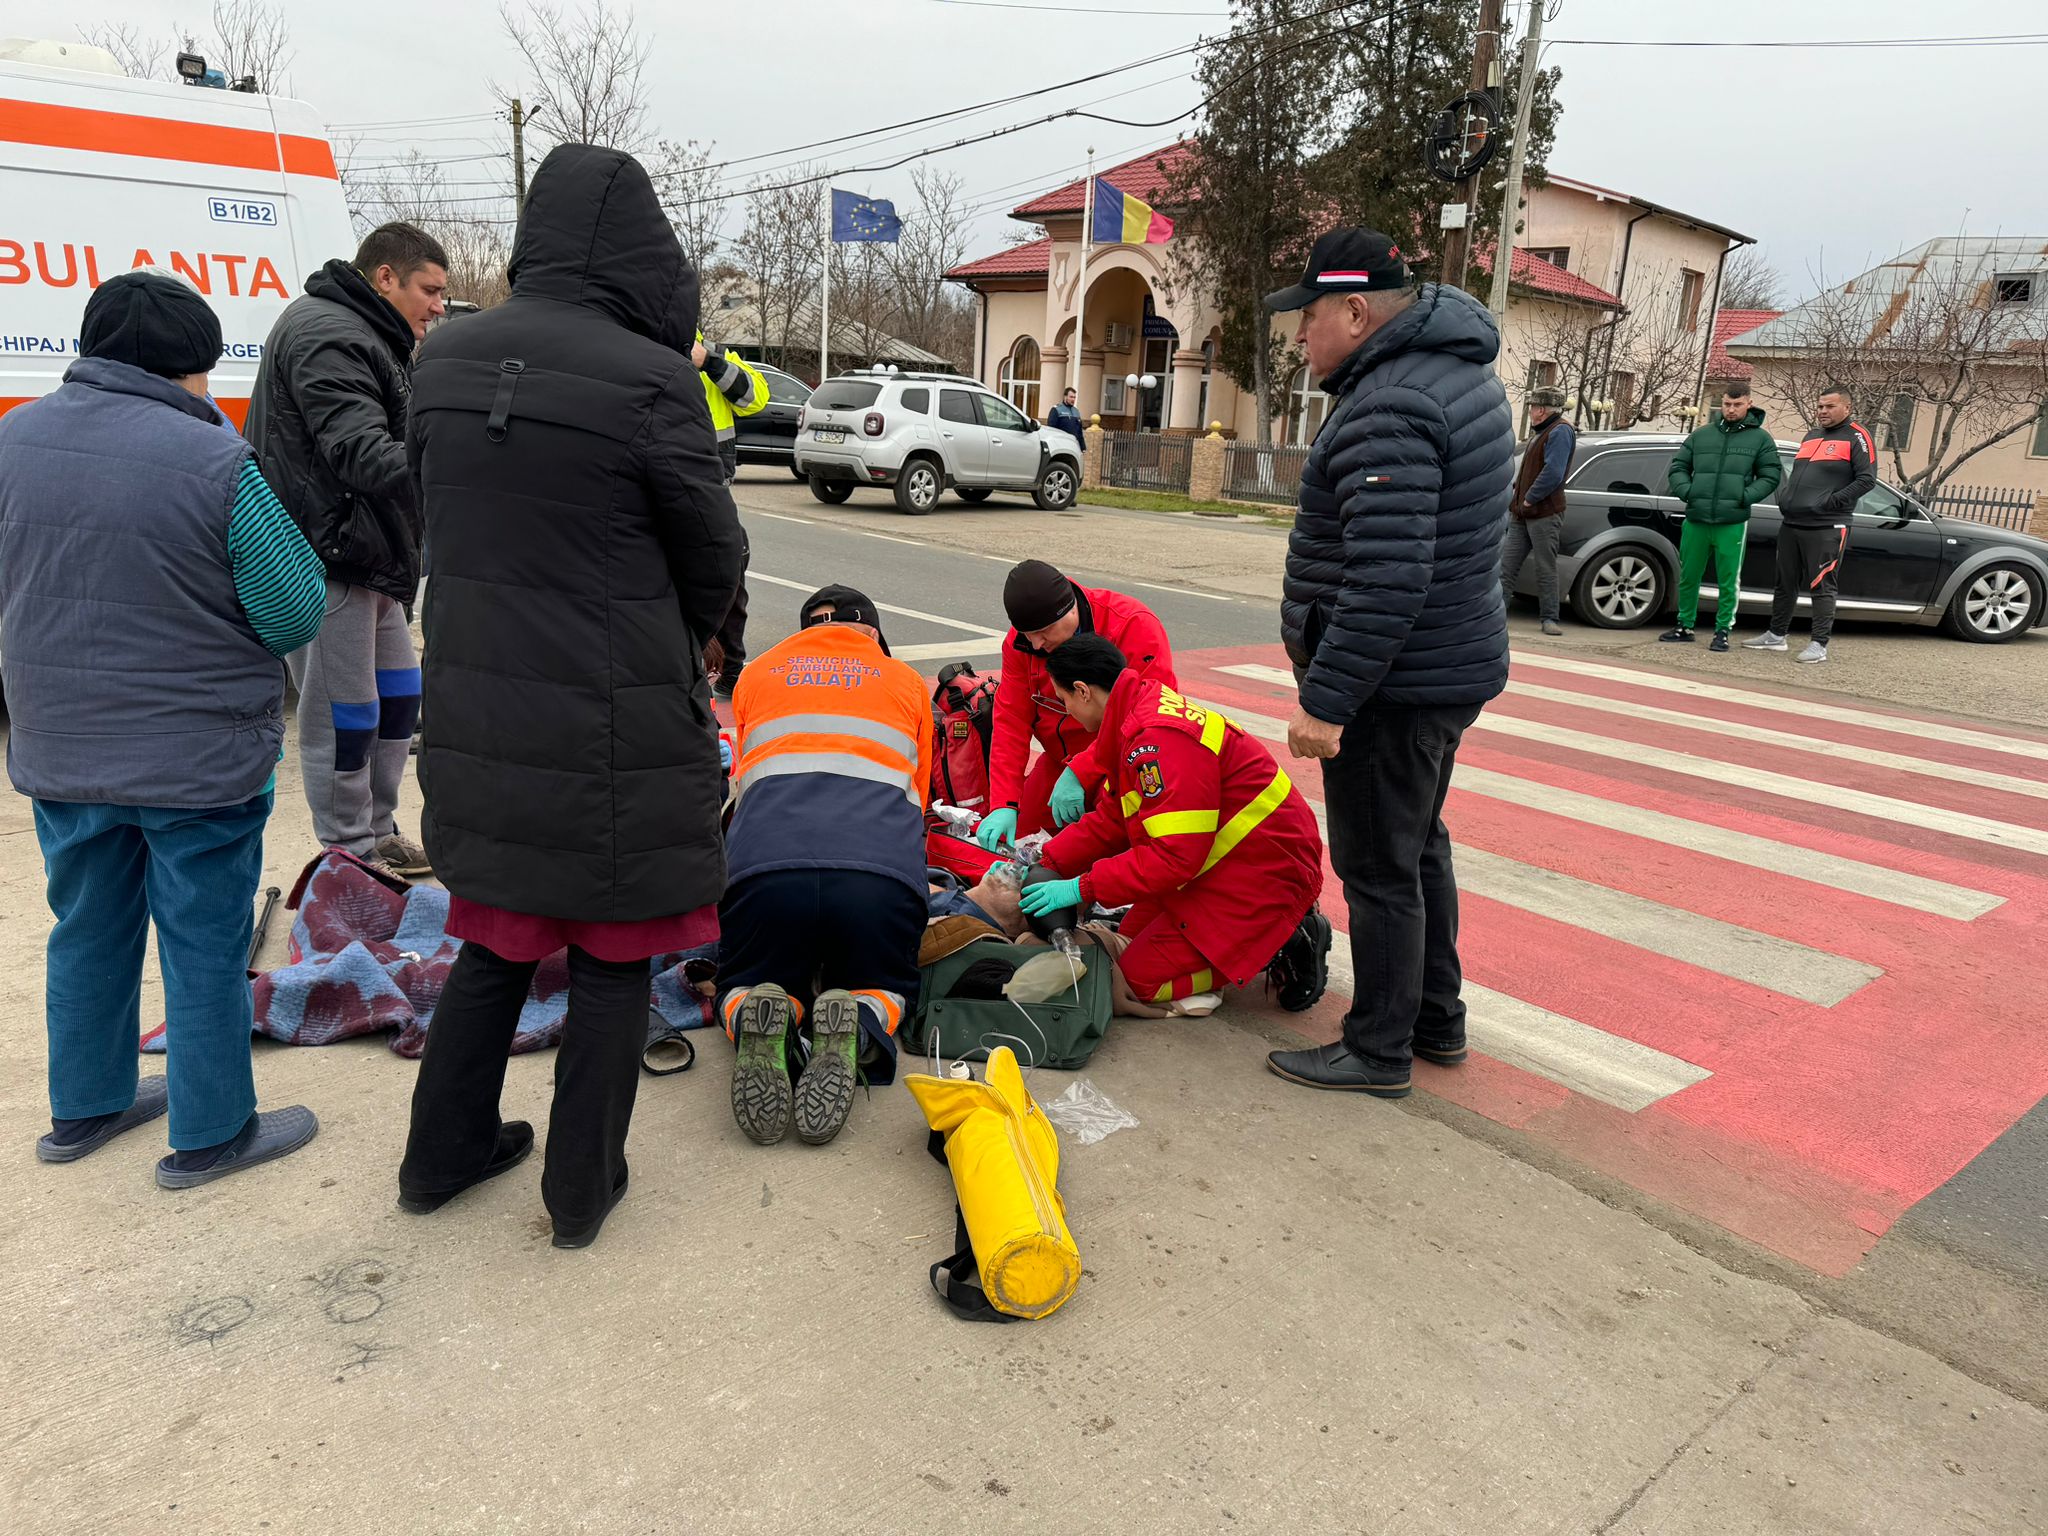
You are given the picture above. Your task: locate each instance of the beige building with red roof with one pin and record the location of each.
(1611, 298)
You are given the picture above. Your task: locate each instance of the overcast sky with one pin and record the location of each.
(1832, 159)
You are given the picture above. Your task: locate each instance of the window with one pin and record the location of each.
(956, 405)
(1629, 472)
(2039, 448)
(1017, 379)
(845, 395)
(918, 402)
(785, 390)
(1622, 390)
(1112, 394)
(1208, 379)
(1690, 286)
(1000, 416)
(1556, 255)
(1896, 429)
(2012, 288)
(1306, 408)
(1882, 504)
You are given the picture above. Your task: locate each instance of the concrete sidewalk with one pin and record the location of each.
(1304, 1312)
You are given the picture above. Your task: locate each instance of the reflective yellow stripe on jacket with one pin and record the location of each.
(1233, 832)
(847, 745)
(732, 387)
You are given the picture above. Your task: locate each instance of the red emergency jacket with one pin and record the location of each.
(1027, 707)
(1196, 818)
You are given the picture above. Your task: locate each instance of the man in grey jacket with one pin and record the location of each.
(327, 419)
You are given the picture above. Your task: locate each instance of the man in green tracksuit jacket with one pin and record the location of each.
(1723, 470)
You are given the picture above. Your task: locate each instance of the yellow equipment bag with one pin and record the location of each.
(1005, 1159)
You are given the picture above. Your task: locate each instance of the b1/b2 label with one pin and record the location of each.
(232, 210)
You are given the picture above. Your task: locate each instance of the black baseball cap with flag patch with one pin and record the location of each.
(848, 605)
(1345, 261)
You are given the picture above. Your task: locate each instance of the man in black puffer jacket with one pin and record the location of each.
(327, 420)
(1392, 616)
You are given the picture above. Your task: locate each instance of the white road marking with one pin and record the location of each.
(1214, 597)
(1806, 709)
(908, 613)
(1741, 731)
(784, 518)
(1863, 879)
(947, 650)
(886, 538)
(1979, 829)
(1741, 954)
(1614, 1070)
(1896, 887)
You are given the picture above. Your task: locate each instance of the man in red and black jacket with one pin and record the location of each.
(1835, 468)
(1046, 610)
(1199, 832)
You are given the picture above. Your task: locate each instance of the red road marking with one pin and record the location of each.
(1819, 1126)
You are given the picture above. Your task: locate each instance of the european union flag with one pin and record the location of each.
(857, 219)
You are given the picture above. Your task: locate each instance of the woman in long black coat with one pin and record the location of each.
(584, 550)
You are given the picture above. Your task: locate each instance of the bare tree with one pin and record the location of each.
(689, 189)
(1946, 357)
(1751, 282)
(864, 301)
(780, 251)
(415, 191)
(933, 242)
(249, 40)
(584, 74)
(141, 57)
(1645, 359)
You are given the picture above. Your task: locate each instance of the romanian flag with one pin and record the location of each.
(1121, 219)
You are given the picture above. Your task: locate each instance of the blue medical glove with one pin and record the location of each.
(1049, 896)
(725, 754)
(1069, 800)
(996, 828)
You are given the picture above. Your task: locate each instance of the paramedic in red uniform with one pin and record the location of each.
(1199, 831)
(1046, 611)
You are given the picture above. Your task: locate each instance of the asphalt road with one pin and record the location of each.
(1215, 585)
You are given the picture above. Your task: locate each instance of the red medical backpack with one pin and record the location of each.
(964, 721)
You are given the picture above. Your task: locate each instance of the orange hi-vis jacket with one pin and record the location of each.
(1197, 819)
(834, 755)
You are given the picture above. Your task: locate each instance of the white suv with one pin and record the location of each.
(922, 432)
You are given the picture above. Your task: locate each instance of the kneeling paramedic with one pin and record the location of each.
(1047, 611)
(827, 897)
(1199, 831)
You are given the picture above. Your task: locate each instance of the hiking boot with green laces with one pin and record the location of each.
(824, 1094)
(761, 1096)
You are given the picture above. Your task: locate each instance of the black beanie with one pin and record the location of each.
(1036, 596)
(152, 321)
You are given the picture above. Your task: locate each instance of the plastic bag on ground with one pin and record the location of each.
(1087, 1114)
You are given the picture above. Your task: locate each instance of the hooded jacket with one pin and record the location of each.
(1723, 469)
(585, 548)
(327, 420)
(1392, 593)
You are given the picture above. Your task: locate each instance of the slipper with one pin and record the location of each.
(152, 1098)
(515, 1140)
(270, 1133)
(668, 1050)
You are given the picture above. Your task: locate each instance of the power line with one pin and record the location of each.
(1980, 40)
(418, 122)
(1084, 10)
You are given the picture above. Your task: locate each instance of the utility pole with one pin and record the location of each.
(1485, 67)
(518, 116)
(1511, 198)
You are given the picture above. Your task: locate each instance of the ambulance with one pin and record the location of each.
(99, 173)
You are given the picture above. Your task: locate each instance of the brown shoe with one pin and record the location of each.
(401, 855)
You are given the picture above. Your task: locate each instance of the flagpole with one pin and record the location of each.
(825, 297)
(1081, 293)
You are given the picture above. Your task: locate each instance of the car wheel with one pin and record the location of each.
(974, 496)
(1620, 588)
(797, 474)
(1996, 604)
(918, 487)
(831, 492)
(1057, 487)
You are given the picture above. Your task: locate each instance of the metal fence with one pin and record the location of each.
(1146, 461)
(1985, 504)
(1263, 472)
